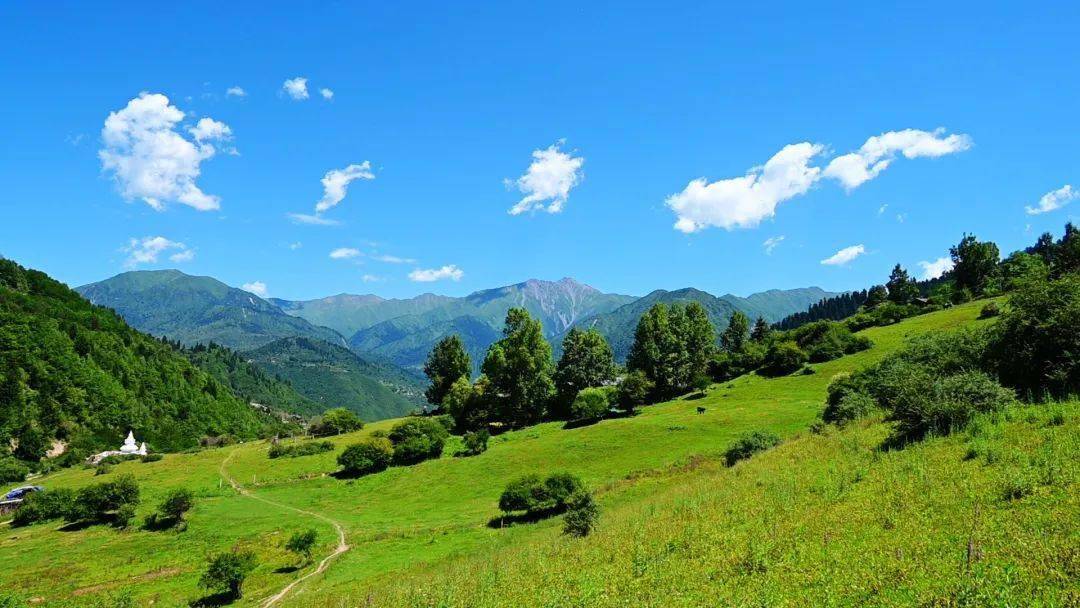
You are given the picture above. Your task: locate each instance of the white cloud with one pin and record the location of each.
(153, 162)
(882, 209)
(392, 259)
(344, 253)
(326, 93)
(1054, 200)
(772, 242)
(450, 271)
(933, 270)
(256, 287)
(371, 278)
(336, 183)
(147, 250)
(863, 165)
(547, 182)
(296, 88)
(235, 92)
(900, 217)
(844, 256)
(296, 245)
(316, 220)
(742, 202)
(208, 129)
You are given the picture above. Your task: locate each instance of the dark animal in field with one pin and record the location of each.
(700, 410)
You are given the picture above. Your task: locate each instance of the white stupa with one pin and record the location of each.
(130, 448)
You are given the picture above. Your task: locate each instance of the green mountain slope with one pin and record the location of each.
(333, 376)
(197, 310)
(348, 313)
(248, 381)
(78, 372)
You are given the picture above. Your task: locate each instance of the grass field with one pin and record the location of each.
(826, 517)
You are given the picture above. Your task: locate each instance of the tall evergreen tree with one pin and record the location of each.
(655, 349)
(878, 294)
(587, 360)
(446, 363)
(734, 337)
(902, 290)
(761, 330)
(519, 368)
(698, 338)
(974, 264)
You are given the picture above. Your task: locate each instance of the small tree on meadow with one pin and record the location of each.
(337, 421)
(176, 504)
(302, 544)
(226, 572)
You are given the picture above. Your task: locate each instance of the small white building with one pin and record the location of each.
(130, 448)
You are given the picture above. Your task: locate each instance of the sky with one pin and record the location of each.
(400, 148)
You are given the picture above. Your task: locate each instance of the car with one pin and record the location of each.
(23, 492)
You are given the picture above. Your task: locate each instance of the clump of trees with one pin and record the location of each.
(295, 450)
(370, 455)
(447, 363)
(587, 362)
(110, 502)
(417, 439)
(672, 346)
(536, 496)
(336, 421)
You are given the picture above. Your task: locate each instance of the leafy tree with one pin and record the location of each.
(519, 369)
(1020, 268)
(587, 361)
(634, 390)
(878, 294)
(226, 572)
(371, 455)
(466, 403)
(1044, 247)
(581, 515)
(698, 336)
(12, 470)
(590, 404)
(783, 357)
(100, 501)
(974, 264)
(761, 331)
(32, 444)
(475, 442)
(902, 289)
(734, 337)
(417, 439)
(302, 543)
(446, 363)
(532, 494)
(1067, 251)
(177, 503)
(335, 422)
(655, 349)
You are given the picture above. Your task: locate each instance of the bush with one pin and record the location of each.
(151, 457)
(302, 543)
(945, 404)
(727, 365)
(295, 450)
(226, 572)
(581, 515)
(783, 358)
(590, 404)
(100, 501)
(12, 470)
(532, 494)
(368, 456)
(44, 506)
(475, 442)
(177, 503)
(634, 390)
(125, 514)
(749, 444)
(335, 422)
(827, 340)
(417, 439)
(851, 406)
(991, 309)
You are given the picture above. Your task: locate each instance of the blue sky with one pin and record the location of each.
(447, 103)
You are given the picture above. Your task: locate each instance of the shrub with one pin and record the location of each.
(177, 503)
(634, 390)
(827, 340)
(43, 506)
(151, 457)
(417, 439)
(783, 358)
(727, 365)
(295, 450)
(946, 404)
(581, 515)
(12, 470)
(97, 502)
(226, 572)
(335, 422)
(302, 543)
(124, 515)
(749, 444)
(532, 494)
(990, 309)
(475, 442)
(590, 404)
(368, 456)
(851, 406)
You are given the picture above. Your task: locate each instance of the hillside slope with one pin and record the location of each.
(78, 372)
(333, 376)
(248, 381)
(196, 310)
(828, 528)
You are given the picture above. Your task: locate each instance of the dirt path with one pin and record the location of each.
(342, 546)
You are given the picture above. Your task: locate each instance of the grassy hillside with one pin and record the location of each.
(333, 376)
(825, 517)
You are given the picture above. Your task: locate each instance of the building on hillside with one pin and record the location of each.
(130, 448)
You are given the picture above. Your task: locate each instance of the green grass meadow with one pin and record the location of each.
(823, 519)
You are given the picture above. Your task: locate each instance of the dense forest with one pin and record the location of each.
(247, 381)
(78, 373)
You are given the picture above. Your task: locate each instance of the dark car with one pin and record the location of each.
(20, 493)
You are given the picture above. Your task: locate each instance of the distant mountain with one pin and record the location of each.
(618, 325)
(334, 376)
(347, 313)
(78, 372)
(195, 310)
(478, 319)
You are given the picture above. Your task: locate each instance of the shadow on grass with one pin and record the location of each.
(528, 517)
(155, 523)
(78, 526)
(577, 424)
(695, 396)
(352, 475)
(286, 569)
(216, 599)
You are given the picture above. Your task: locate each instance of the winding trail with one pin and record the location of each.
(342, 546)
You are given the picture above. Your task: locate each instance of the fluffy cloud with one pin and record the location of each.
(772, 242)
(235, 92)
(256, 287)
(315, 220)
(296, 88)
(856, 168)
(844, 256)
(336, 183)
(1054, 200)
(933, 270)
(392, 259)
(153, 162)
(742, 202)
(296, 245)
(147, 250)
(344, 253)
(326, 93)
(547, 182)
(450, 271)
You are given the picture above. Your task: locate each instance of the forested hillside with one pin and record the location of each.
(77, 372)
(249, 382)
